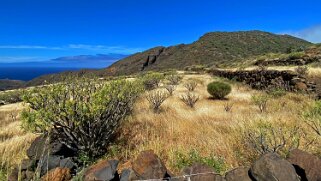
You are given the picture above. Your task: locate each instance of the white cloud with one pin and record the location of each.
(27, 47)
(312, 34)
(94, 48)
(15, 59)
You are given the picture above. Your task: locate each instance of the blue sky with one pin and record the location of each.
(36, 30)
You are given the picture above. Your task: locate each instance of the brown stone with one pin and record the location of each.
(199, 172)
(307, 166)
(148, 166)
(104, 170)
(270, 167)
(57, 174)
(238, 174)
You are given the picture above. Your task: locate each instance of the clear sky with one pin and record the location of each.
(35, 30)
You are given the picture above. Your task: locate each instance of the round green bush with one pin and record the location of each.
(218, 90)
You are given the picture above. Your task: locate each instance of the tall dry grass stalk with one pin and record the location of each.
(13, 140)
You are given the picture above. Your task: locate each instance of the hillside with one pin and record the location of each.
(6, 84)
(213, 49)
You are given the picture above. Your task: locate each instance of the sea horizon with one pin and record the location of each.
(29, 73)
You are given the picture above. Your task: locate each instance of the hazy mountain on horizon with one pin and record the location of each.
(79, 61)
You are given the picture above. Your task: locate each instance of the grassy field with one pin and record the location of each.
(180, 135)
(208, 133)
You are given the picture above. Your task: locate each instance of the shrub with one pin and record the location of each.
(261, 101)
(84, 115)
(189, 99)
(265, 137)
(173, 79)
(156, 99)
(296, 55)
(10, 97)
(302, 70)
(218, 90)
(312, 117)
(191, 85)
(152, 80)
(276, 92)
(170, 89)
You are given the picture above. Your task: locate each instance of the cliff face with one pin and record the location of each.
(219, 48)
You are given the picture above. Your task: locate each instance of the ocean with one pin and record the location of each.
(28, 73)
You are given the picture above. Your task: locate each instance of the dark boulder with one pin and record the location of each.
(37, 148)
(48, 163)
(199, 172)
(307, 166)
(67, 163)
(148, 166)
(270, 167)
(27, 164)
(104, 170)
(41, 146)
(128, 175)
(238, 174)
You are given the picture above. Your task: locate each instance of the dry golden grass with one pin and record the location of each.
(208, 128)
(13, 140)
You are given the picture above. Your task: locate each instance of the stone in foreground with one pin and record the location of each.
(105, 170)
(148, 166)
(270, 167)
(307, 166)
(238, 174)
(199, 172)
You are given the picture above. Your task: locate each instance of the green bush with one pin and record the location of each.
(83, 114)
(10, 97)
(296, 55)
(218, 90)
(276, 92)
(151, 80)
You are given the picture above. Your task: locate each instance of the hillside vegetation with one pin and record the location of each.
(221, 49)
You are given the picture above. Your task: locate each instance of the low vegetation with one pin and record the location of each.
(10, 97)
(261, 101)
(156, 99)
(218, 90)
(151, 80)
(190, 85)
(170, 89)
(189, 99)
